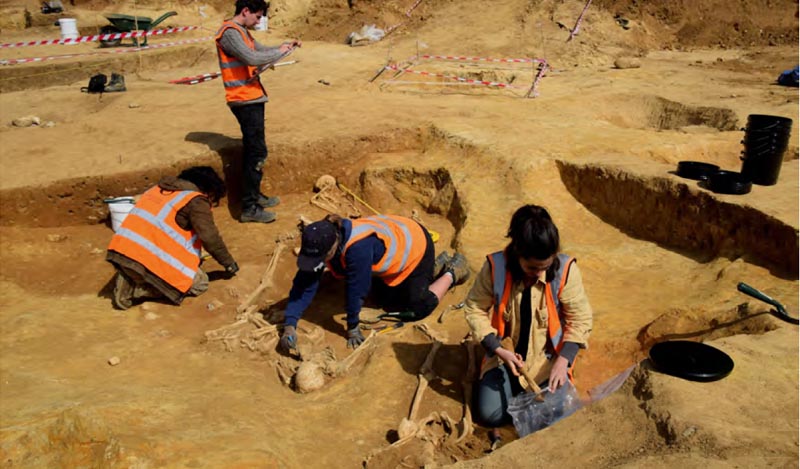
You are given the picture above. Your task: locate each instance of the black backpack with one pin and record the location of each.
(97, 84)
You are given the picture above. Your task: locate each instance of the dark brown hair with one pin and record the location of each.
(533, 236)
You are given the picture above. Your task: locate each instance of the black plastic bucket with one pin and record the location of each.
(765, 141)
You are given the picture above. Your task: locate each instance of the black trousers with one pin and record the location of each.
(412, 294)
(254, 151)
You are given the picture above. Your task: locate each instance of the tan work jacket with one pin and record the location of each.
(576, 319)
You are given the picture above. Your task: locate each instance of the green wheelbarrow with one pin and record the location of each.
(127, 23)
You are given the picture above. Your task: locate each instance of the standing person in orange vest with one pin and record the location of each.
(397, 250)
(532, 294)
(156, 250)
(241, 59)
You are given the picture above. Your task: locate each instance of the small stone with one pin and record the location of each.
(134, 105)
(151, 316)
(49, 124)
(296, 251)
(689, 432)
(113, 361)
(56, 238)
(719, 59)
(627, 62)
(26, 121)
(97, 251)
(214, 305)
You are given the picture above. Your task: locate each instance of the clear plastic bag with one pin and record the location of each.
(530, 415)
(369, 33)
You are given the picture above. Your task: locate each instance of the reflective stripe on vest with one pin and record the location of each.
(151, 236)
(502, 283)
(403, 238)
(239, 79)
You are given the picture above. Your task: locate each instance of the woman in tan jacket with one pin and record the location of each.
(532, 296)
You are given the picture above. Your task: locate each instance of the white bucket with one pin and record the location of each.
(69, 29)
(262, 25)
(119, 209)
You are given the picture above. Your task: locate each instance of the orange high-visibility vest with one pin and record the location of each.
(403, 238)
(150, 236)
(239, 79)
(501, 286)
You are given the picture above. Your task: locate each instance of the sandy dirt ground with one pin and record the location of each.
(661, 255)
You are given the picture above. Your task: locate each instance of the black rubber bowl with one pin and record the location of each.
(696, 169)
(729, 182)
(694, 361)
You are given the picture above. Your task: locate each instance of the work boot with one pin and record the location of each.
(123, 292)
(438, 265)
(458, 268)
(257, 215)
(117, 83)
(267, 202)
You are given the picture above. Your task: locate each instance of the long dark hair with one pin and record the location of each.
(207, 180)
(533, 235)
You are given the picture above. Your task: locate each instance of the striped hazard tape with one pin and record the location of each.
(115, 51)
(452, 77)
(407, 14)
(479, 59)
(98, 37)
(196, 79)
(193, 80)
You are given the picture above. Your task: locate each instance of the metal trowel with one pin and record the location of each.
(779, 309)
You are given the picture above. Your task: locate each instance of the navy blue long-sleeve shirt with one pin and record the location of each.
(359, 260)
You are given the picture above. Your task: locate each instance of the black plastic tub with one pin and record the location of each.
(696, 169)
(728, 182)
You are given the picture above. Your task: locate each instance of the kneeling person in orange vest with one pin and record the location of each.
(156, 250)
(534, 295)
(397, 250)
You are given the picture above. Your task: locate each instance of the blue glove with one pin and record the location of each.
(354, 337)
(288, 339)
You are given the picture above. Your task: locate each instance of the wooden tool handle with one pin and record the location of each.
(508, 344)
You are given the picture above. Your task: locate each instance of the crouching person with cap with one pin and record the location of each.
(397, 250)
(156, 250)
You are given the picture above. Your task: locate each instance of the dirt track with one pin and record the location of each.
(661, 256)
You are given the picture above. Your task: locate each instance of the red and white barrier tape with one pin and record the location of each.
(210, 76)
(115, 51)
(413, 7)
(99, 37)
(479, 59)
(574, 31)
(451, 77)
(196, 79)
(534, 92)
(408, 15)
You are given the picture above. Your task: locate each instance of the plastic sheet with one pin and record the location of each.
(530, 415)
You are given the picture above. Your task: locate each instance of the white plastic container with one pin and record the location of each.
(119, 208)
(69, 29)
(263, 24)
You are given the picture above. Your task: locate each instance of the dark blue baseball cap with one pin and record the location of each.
(318, 239)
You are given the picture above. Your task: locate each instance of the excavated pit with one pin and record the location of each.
(386, 171)
(655, 112)
(670, 213)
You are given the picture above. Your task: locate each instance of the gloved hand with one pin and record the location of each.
(354, 337)
(232, 269)
(288, 339)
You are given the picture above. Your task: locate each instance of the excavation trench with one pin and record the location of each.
(666, 210)
(387, 172)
